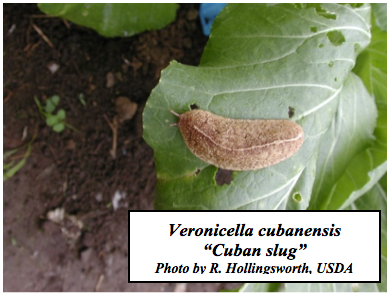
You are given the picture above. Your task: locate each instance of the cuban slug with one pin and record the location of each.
(239, 144)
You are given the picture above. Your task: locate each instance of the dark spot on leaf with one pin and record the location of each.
(291, 112)
(336, 37)
(335, 79)
(314, 29)
(197, 172)
(223, 177)
(297, 197)
(194, 106)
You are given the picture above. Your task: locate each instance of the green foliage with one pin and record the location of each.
(12, 167)
(374, 199)
(325, 62)
(82, 100)
(380, 13)
(260, 287)
(114, 19)
(261, 61)
(55, 121)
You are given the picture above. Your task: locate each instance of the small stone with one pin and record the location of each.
(110, 80)
(99, 197)
(57, 215)
(53, 67)
(125, 108)
(70, 145)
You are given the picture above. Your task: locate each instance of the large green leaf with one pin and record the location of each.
(374, 199)
(346, 168)
(371, 67)
(117, 19)
(349, 175)
(260, 61)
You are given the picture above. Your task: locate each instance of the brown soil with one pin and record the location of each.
(74, 171)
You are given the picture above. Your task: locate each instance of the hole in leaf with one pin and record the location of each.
(331, 63)
(223, 177)
(314, 29)
(335, 79)
(297, 197)
(320, 10)
(355, 5)
(356, 47)
(291, 112)
(321, 45)
(336, 37)
(193, 106)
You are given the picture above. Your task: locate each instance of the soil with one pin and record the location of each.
(62, 229)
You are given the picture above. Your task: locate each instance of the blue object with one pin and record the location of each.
(208, 13)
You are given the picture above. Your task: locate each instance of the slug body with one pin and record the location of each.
(238, 144)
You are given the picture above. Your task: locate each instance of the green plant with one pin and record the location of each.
(261, 62)
(10, 167)
(55, 121)
(117, 19)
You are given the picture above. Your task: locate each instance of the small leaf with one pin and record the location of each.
(49, 107)
(9, 169)
(82, 100)
(59, 127)
(51, 120)
(38, 104)
(61, 114)
(55, 99)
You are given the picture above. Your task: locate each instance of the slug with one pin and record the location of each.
(239, 144)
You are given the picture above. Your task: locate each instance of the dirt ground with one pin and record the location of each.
(63, 230)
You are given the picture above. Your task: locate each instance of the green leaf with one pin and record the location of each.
(376, 199)
(114, 19)
(380, 12)
(40, 108)
(51, 120)
(61, 114)
(10, 169)
(55, 100)
(330, 287)
(82, 100)
(59, 127)
(260, 287)
(348, 163)
(9, 153)
(260, 62)
(49, 107)
(371, 67)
